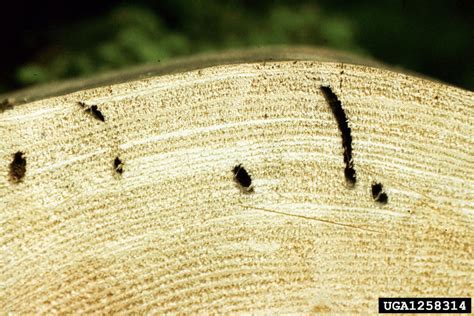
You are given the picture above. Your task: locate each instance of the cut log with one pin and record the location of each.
(222, 186)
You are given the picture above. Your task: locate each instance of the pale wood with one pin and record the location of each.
(174, 233)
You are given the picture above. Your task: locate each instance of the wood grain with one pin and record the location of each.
(173, 233)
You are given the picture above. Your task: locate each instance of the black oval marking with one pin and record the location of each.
(377, 193)
(118, 165)
(17, 167)
(242, 177)
(376, 189)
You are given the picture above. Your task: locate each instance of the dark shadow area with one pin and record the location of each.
(45, 41)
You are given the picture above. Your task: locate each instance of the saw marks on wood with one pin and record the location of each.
(139, 211)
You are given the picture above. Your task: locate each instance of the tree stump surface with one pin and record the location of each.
(123, 198)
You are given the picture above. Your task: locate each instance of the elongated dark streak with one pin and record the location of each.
(341, 119)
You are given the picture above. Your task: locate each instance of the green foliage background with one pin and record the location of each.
(431, 37)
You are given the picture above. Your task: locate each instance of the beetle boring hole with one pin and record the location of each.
(377, 193)
(242, 178)
(93, 110)
(17, 167)
(376, 189)
(382, 198)
(342, 123)
(350, 174)
(96, 113)
(118, 165)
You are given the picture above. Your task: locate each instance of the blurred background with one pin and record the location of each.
(52, 40)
